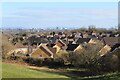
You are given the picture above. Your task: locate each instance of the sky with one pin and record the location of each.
(49, 15)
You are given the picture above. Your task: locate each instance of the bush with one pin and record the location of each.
(63, 55)
(34, 61)
(110, 63)
(50, 62)
(53, 62)
(87, 56)
(12, 58)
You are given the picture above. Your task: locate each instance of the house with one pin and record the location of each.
(60, 33)
(65, 41)
(117, 35)
(60, 43)
(62, 38)
(103, 35)
(110, 41)
(74, 47)
(108, 35)
(18, 52)
(114, 47)
(43, 51)
(116, 52)
(20, 45)
(112, 35)
(57, 48)
(105, 50)
(85, 35)
(94, 34)
(78, 35)
(84, 40)
(70, 36)
(70, 41)
(112, 59)
(51, 45)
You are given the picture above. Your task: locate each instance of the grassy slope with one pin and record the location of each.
(10, 71)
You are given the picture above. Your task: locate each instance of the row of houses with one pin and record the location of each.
(69, 36)
(49, 50)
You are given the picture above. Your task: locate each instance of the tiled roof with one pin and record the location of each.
(110, 41)
(72, 47)
(115, 46)
(60, 43)
(82, 40)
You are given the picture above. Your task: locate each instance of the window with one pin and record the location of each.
(40, 55)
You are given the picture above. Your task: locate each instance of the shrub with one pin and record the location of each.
(63, 55)
(110, 62)
(53, 62)
(34, 61)
(12, 58)
(87, 56)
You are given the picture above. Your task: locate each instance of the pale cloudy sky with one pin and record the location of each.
(62, 14)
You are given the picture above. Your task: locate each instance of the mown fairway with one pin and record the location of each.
(10, 71)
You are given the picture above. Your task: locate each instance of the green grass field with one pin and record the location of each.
(10, 71)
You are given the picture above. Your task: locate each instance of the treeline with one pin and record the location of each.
(99, 30)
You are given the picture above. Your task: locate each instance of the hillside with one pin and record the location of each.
(13, 71)
(6, 45)
(10, 71)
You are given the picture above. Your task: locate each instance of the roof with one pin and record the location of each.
(115, 46)
(50, 45)
(20, 50)
(72, 47)
(53, 50)
(45, 50)
(71, 37)
(65, 41)
(105, 50)
(82, 40)
(20, 45)
(62, 37)
(70, 42)
(111, 41)
(60, 43)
